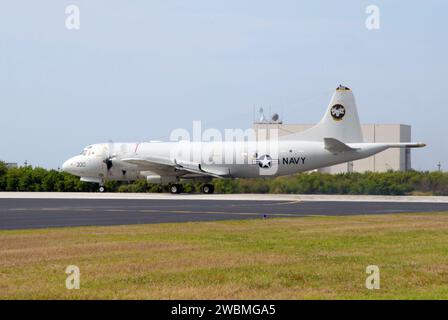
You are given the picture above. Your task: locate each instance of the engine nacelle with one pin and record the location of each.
(158, 179)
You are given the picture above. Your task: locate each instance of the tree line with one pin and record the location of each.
(28, 178)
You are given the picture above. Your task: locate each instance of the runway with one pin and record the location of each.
(30, 213)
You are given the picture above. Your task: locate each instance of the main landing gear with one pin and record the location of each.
(176, 188)
(207, 188)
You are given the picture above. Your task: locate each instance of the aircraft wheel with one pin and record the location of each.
(175, 188)
(208, 188)
(101, 189)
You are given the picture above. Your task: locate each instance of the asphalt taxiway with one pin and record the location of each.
(34, 210)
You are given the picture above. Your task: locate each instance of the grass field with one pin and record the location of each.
(302, 258)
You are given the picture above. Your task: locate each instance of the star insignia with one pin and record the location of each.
(265, 161)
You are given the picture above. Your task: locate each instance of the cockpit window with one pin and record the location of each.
(86, 151)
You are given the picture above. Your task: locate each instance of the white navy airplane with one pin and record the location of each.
(336, 139)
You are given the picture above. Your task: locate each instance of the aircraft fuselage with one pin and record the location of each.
(237, 159)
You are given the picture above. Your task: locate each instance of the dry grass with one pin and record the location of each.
(318, 257)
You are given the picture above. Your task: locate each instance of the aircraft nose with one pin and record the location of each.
(66, 166)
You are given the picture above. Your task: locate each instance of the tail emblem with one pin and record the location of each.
(338, 112)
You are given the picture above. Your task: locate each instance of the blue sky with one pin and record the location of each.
(138, 69)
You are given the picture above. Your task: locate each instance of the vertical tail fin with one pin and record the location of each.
(341, 121)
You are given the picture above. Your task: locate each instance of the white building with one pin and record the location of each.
(391, 159)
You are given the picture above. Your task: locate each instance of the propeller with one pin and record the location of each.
(110, 155)
(108, 163)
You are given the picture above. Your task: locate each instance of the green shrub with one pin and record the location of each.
(28, 178)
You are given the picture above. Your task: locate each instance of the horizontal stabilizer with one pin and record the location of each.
(335, 146)
(406, 145)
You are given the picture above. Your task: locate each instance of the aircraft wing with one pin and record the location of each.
(157, 165)
(163, 167)
(197, 169)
